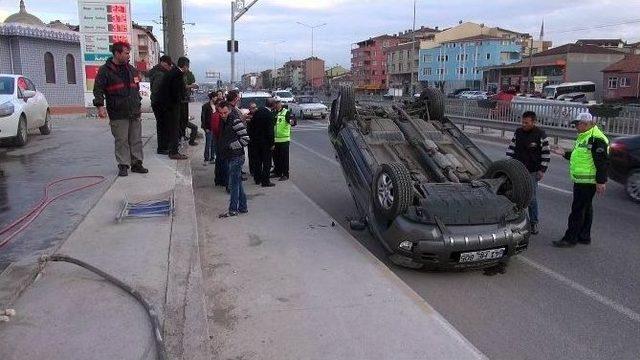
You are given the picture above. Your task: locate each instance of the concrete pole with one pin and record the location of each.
(233, 42)
(413, 50)
(173, 25)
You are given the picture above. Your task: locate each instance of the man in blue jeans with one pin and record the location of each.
(206, 118)
(232, 142)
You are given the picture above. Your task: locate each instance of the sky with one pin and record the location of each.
(349, 21)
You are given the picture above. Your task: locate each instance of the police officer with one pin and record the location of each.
(588, 168)
(118, 83)
(282, 131)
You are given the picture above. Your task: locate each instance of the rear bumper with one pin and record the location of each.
(432, 248)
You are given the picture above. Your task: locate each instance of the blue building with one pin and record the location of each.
(458, 63)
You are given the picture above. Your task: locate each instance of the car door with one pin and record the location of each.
(40, 105)
(27, 104)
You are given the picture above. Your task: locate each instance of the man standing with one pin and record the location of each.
(217, 124)
(588, 163)
(282, 131)
(171, 96)
(118, 83)
(206, 118)
(156, 77)
(190, 85)
(253, 107)
(262, 141)
(530, 146)
(234, 140)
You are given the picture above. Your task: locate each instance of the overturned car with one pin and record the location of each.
(428, 193)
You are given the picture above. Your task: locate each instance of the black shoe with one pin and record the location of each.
(193, 143)
(178, 156)
(273, 176)
(228, 214)
(283, 178)
(585, 242)
(534, 229)
(138, 168)
(163, 152)
(123, 170)
(563, 244)
(269, 184)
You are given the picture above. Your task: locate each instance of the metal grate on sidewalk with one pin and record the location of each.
(160, 205)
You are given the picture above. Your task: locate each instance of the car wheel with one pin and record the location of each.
(301, 115)
(347, 107)
(518, 187)
(633, 186)
(434, 101)
(324, 116)
(46, 128)
(392, 191)
(22, 134)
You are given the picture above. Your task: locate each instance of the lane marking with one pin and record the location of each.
(621, 309)
(549, 187)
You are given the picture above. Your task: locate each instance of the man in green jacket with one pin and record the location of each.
(117, 85)
(282, 130)
(588, 168)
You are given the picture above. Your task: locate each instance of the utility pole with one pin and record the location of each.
(173, 33)
(273, 74)
(312, 27)
(413, 50)
(238, 8)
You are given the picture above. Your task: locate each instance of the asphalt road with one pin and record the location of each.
(579, 303)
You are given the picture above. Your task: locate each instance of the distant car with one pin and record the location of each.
(473, 95)
(284, 96)
(456, 93)
(624, 168)
(145, 94)
(22, 108)
(258, 97)
(308, 107)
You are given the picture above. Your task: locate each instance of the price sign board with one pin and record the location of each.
(102, 23)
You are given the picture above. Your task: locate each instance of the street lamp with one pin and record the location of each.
(312, 27)
(273, 74)
(238, 8)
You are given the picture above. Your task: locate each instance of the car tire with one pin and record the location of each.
(392, 191)
(434, 100)
(518, 188)
(633, 185)
(347, 107)
(22, 133)
(301, 115)
(46, 128)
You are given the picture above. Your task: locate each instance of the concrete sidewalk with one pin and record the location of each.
(70, 313)
(286, 282)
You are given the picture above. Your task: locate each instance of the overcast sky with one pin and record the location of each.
(349, 21)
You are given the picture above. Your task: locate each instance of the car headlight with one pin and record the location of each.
(7, 109)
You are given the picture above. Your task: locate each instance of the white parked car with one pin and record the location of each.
(258, 97)
(473, 95)
(307, 106)
(284, 96)
(22, 108)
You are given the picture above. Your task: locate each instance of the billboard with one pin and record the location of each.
(102, 22)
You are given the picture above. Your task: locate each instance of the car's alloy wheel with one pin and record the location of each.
(21, 136)
(385, 191)
(633, 186)
(46, 128)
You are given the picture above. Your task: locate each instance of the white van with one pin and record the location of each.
(587, 88)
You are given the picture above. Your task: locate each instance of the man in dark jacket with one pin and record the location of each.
(171, 95)
(530, 146)
(206, 117)
(233, 141)
(156, 77)
(118, 83)
(190, 85)
(262, 141)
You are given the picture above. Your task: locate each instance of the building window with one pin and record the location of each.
(488, 56)
(71, 69)
(427, 58)
(49, 68)
(506, 42)
(613, 83)
(624, 82)
(400, 67)
(426, 71)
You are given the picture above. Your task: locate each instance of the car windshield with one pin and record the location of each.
(260, 101)
(284, 94)
(308, 100)
(6, 85)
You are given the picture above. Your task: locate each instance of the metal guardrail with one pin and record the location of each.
(554, 118)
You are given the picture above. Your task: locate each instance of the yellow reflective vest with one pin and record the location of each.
(581, 165)
(282, 128)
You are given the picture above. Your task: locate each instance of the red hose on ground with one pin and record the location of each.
(25, 220)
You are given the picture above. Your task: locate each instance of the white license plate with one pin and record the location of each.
(481, 255)
(316, 114)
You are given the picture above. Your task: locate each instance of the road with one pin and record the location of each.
(579, 303)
